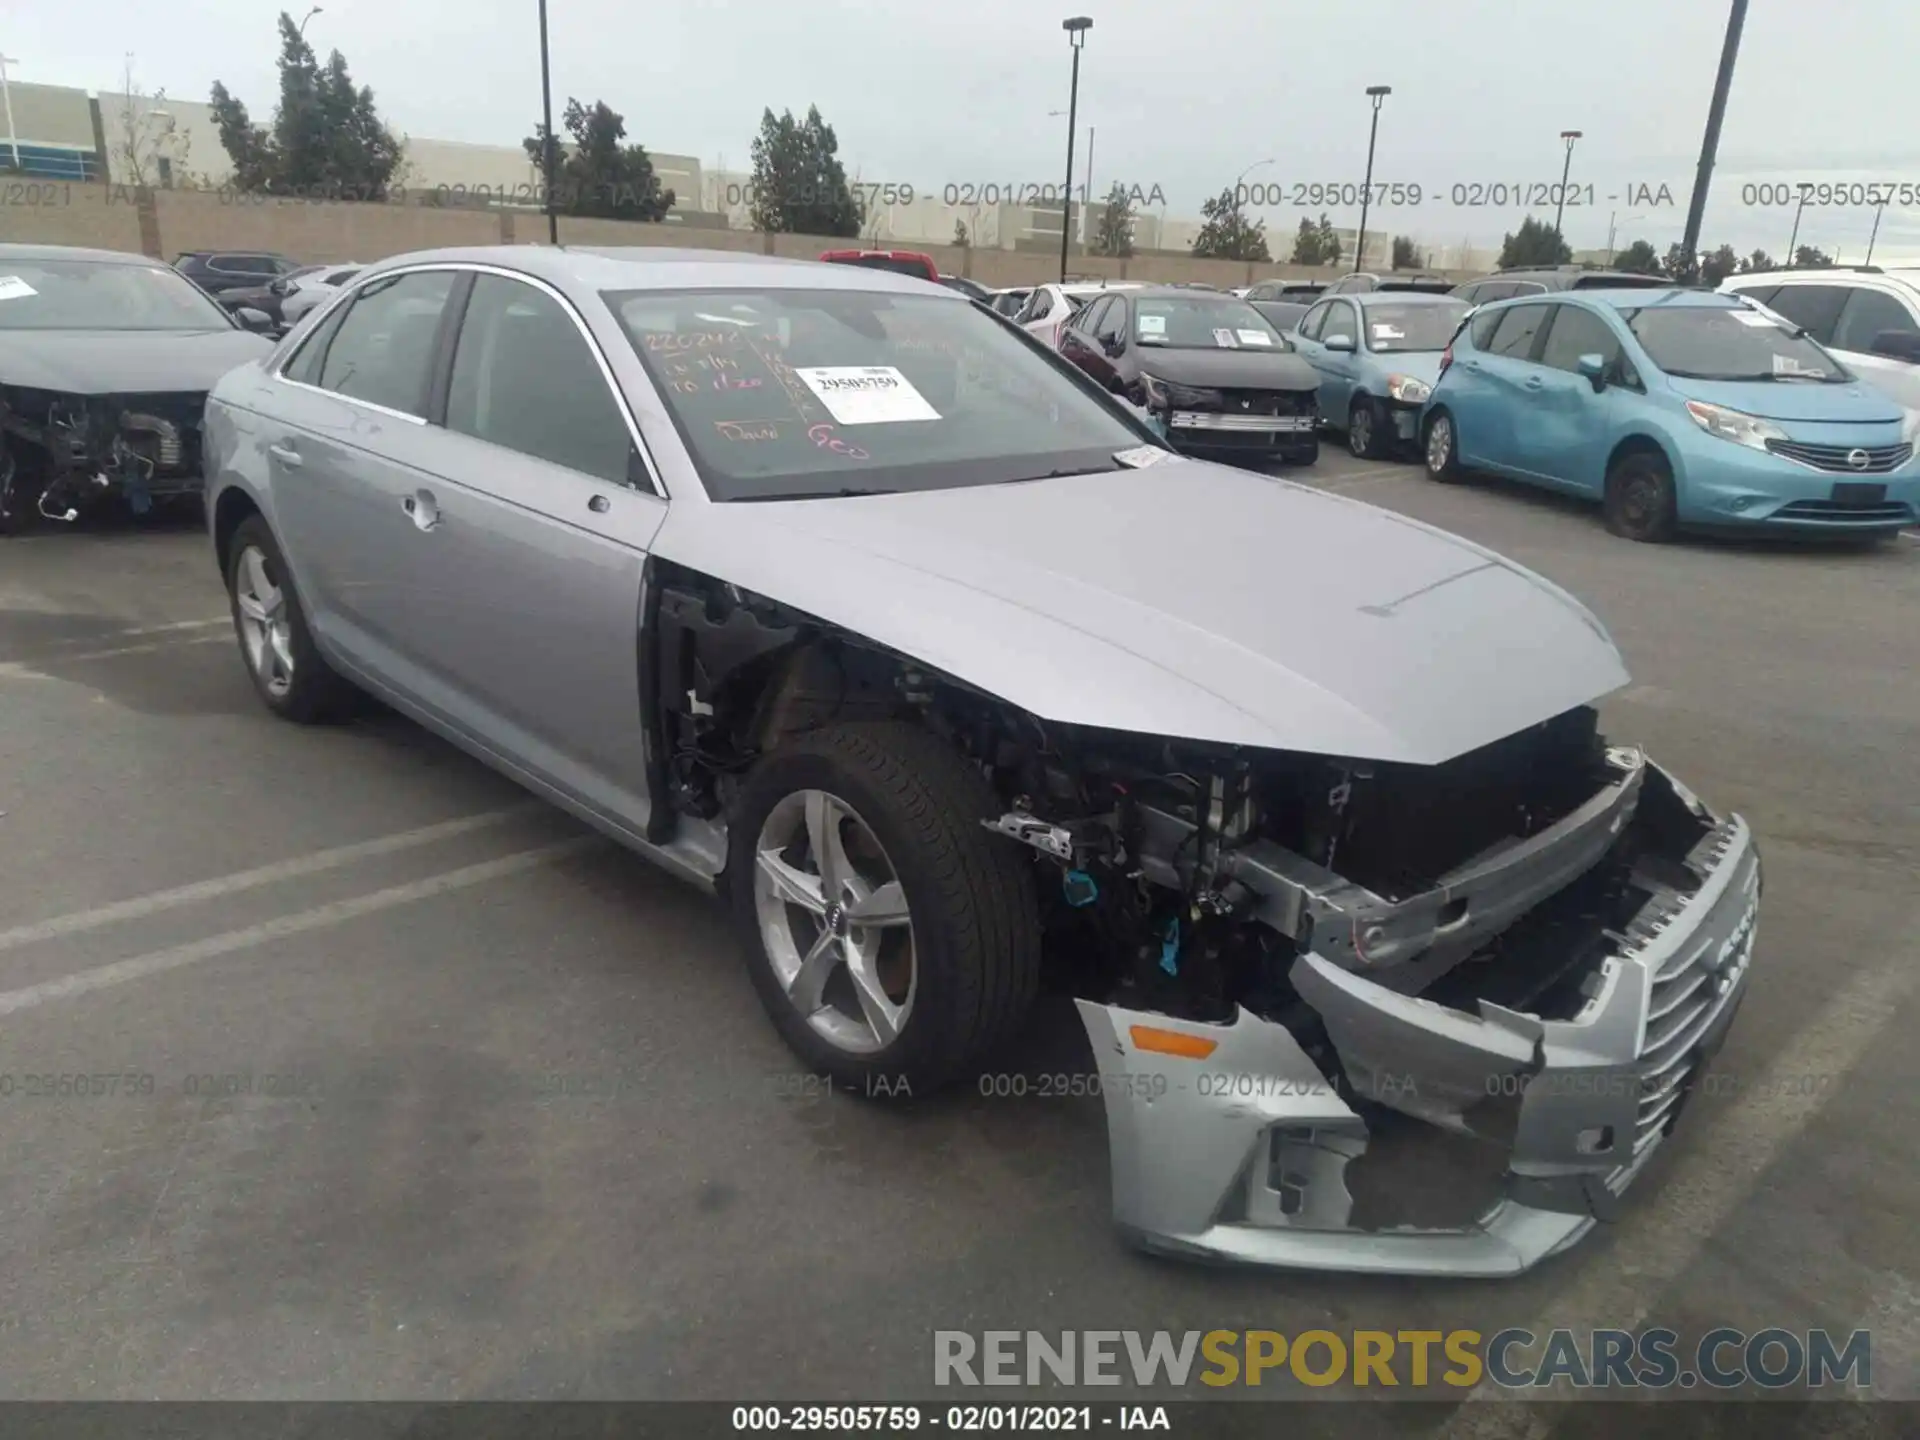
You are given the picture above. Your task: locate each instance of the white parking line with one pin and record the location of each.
(37, 669)
(1346, 479)
(156, 962)
(311, 864)
(1718, 1172)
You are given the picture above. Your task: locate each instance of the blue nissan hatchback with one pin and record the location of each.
(1672, 408)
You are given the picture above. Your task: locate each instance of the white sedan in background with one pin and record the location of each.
(313, 289)
(1051, 306)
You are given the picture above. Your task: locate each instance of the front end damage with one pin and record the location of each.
(1347, 1014)
(1475, 1072)
(63, 455)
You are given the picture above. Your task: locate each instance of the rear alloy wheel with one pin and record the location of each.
(287, 671)
(893, 939)
(1442, 448)
(1640, 503)
(1363, 430)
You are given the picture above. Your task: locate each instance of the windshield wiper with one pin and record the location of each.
(845, 492)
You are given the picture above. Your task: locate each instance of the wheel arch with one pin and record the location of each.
(231, 508)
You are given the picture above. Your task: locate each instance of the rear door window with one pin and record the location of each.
(383, 350)
(1814, 308)
(1518, 329)
(1869, 313)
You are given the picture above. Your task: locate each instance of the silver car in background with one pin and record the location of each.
(835, 594)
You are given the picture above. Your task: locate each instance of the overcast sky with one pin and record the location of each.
(1182, 95)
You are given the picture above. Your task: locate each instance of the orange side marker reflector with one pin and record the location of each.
(1172, 1042)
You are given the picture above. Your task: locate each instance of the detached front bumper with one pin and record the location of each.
(1253, 1154)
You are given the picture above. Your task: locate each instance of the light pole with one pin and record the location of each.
(6, 92)
(546, 121)
(1798, 211)
(316, 10)
(1565, 170)
(1375, 93)
(1076, 29)
(1612, 229)
(1876, 228)
(1086, 205)
(1710, 143)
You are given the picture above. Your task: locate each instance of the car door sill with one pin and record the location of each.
(697, 855)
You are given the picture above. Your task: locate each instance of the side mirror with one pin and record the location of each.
(1594, 367)
(1897, 345)
(258, 321)
(1342, 343)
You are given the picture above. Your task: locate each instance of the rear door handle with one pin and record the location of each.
(1534, 382)
(422, 509)
(285, 454)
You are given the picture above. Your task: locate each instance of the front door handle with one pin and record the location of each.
(285, 454)
(422, 509)
(1534, 382)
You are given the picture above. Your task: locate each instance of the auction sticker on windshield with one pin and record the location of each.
(12, 287)
(1254, 337)
(1224, 339)
(1153, 324)
(866, 394)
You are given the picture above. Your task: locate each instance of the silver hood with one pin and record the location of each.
(1185, 599)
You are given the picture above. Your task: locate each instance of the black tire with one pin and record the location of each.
(976, 925)
(315, 692)
(1444, 466)
(1365, 422)
(1640, 503)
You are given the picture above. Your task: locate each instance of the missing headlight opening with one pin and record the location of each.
(1506, 969)
(63, 455)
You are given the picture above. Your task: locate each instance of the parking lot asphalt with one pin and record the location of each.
(507, 1119)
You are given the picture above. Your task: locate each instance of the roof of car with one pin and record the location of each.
(1906, 274)
(1638, 298)
(1400, 297)
(75, 252)
(661, 267)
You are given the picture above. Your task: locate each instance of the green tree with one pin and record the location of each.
(1406, 254)
(1811, 257)
(1113, 228)
(1330, 248)
(326, 139)
(1758, 262)
(799, 185)
(1639, 258)
(600, 175)
(1534, 243)
(1679, 266)
(1227, 234)
(1717, 265)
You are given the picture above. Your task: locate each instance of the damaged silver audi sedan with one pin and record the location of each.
(835, 594)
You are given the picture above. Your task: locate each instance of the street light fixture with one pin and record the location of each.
(316, 10)
(1565, 170)
(1076, 29)
(546, 120)
(1375, 93)
(1876, 228)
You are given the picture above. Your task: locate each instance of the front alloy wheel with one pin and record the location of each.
(893, 938)
(1443, 462)
(288, 673)
(834, 921)
(1363, 433)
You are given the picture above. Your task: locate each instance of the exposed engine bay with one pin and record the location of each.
(62, 455)
(1532, 948)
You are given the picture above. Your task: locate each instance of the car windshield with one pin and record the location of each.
(1700, 342)
(1203, 322)
(1397, 329)
(102, 295)
(805, 394)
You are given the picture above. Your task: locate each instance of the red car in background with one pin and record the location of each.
(901, 262)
